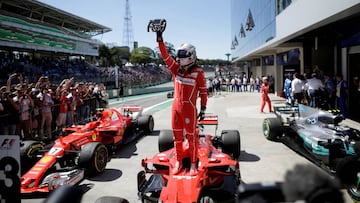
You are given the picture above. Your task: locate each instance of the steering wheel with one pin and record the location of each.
(157, 25)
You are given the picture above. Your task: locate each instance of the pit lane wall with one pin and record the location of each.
(114, 93)
(164, 87)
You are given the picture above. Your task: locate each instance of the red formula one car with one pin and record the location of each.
(84, 150)
(218, 174)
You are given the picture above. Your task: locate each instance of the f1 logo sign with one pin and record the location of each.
(7, 144)
(9, 169)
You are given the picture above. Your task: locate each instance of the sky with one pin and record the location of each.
(202, 23)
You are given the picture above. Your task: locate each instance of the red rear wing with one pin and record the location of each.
(210, 119)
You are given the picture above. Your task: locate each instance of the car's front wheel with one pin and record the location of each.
(347, 171)
(272, 128)
(354, 192)
(93, 157)
(28, 151)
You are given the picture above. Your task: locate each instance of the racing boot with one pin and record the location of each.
(178, 156)
(193, 169)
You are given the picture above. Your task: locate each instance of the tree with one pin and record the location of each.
(104, 55)
(115, 55)
(171, 50)
(119, 55)
(142, 55)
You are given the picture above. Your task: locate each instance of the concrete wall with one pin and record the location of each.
(114, 93)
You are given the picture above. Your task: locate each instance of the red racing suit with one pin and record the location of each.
(187, 86)
(265, 97)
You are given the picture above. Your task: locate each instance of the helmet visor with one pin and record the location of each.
(183, 53)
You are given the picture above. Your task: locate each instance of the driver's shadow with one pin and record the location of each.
(126, 151)
(129, 149)
(244, 156)
(107, 176)
(154, 133)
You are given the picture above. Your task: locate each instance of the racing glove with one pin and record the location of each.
(201, 115)
(159, 37)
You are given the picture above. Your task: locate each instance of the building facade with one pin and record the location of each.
(276, 37)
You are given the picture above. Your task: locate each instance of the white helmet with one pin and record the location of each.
(186, 55)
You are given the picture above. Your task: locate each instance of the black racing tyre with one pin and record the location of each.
(347, 172)
(206, 199)
(166, 140)
(28, 148)
(28, 151)
(93, 157)
(146, 123)
(231, 143)
(111, 199)
(272, 128)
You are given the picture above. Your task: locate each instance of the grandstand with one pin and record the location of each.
(37, 40)
(29, 25)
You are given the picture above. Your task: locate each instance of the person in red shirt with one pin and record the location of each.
(189, 83)
(64, 103)
(264, 95)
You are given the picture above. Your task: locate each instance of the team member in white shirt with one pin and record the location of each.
(297, 87)
(313, 87)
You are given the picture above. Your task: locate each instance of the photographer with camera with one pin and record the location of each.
(25, 103)
(9, 116)
(46, 105)
(189, 83)
(23, 127)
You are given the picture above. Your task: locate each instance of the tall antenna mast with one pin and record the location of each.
(128, 38)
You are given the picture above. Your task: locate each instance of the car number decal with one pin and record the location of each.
(54, 150)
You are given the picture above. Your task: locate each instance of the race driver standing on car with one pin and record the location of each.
(189, 83)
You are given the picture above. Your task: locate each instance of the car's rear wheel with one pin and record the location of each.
(166, 140)
(146, 123)
(272, 128)
(93, 157)
(28, 151)
(231, 143)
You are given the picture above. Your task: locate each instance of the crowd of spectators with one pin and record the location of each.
(55, 68)
(36, 102)
(43, 109)
(58, 68)
(137, 75)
